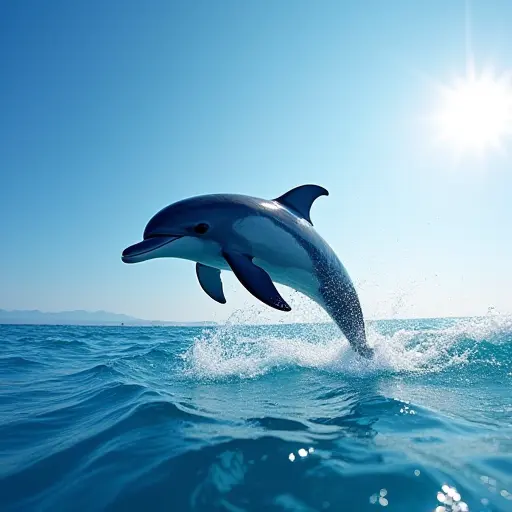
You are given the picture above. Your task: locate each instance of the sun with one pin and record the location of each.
(475, 113)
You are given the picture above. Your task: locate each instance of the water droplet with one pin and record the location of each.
(417, 472)
(485, 479)
(383, 492)
(302, 452)
(463, 507)
(373, 499)
(504, 493)
(484, 501)
(384, 502)
(441, 497)
(456, 497)
(441, 509)
(446, 489)
(311, 450)
(291, 457)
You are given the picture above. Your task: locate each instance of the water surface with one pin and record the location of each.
(257, 418)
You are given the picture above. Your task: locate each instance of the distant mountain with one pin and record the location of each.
(80, 317)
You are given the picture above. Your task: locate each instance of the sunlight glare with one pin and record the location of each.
(476, 113)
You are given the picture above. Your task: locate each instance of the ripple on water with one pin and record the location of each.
(260, 418)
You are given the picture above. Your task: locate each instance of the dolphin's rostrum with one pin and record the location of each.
(261, 241)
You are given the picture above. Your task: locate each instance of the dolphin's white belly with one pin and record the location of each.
(304, 281)
(206, 252)
(273, 249)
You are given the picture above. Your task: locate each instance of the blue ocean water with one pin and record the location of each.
(257, 418)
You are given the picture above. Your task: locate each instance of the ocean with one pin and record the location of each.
(270, 417)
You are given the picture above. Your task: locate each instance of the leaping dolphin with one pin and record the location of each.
(261, 241)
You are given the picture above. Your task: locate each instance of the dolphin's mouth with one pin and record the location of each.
(141, 251)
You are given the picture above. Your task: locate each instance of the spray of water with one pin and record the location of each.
(246, 347)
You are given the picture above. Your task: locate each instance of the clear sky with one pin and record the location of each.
(111, 110)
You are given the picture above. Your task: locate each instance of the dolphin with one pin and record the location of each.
(261, 241)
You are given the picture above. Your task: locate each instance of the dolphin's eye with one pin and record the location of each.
(201, 228)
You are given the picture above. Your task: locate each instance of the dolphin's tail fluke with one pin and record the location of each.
(362, 348)
(353, 328)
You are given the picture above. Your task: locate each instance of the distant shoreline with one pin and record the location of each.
(82, 317)
(204, 324)
(115, 324)
(106, 318)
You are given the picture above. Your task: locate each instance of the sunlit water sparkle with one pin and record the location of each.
(257, 418)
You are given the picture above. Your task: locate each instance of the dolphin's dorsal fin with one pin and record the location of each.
(300, 199)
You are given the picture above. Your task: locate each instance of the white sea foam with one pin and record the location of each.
(235, 350)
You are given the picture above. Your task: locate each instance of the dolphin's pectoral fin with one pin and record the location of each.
(209, 279)
(255, 280)
(301, 198)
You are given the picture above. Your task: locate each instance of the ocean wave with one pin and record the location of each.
(245, 417)
(227, 352)
(10, 363)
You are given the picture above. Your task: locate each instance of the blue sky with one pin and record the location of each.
(112, 110)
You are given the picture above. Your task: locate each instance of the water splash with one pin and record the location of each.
(78, 411)
(246, 351)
